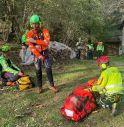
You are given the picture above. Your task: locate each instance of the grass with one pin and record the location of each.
(28, 109)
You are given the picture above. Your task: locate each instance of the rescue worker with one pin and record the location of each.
(24, 47)
(38, 40)
(100, 49)
(9, 71)
(79, 48)
(109, 85)
(25, 53)
(90, 51)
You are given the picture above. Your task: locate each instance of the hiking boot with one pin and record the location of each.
(10, 83)
(38, 89)
(114, 109)
(53, 88)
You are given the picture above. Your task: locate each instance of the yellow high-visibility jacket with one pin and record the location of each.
(110, 82)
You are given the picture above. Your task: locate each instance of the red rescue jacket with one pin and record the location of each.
(42, 41)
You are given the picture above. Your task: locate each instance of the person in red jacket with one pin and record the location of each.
(38, 41)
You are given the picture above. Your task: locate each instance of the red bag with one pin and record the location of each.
(79, 104)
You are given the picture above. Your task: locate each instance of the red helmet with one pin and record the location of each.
(102, 59)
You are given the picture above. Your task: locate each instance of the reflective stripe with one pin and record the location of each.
(119, 90)
(113, 86)
(114, 92)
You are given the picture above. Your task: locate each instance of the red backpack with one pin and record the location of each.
(79, 104)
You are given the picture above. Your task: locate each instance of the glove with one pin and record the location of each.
(20, 73)
(42, 58)
(94, 89)
(31, 40)
(97, 88)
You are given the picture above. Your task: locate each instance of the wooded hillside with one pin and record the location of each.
(67, 20)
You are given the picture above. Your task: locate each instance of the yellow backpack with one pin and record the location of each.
(24, 83)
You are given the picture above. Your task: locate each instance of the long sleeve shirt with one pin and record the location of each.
(100, 47)
(110, 81)
(8, 66)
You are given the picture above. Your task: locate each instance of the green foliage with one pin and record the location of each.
(68, 20)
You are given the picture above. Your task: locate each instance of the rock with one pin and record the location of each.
(61, 52)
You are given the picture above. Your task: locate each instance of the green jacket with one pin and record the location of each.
(90, 46)
(6, 65)
(100, 47)
(110, 82)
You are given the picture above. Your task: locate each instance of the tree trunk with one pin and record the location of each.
(123, 40)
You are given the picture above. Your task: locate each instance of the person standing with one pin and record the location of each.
(38, 40)
(79, 48)
(24, 46)
(90, 52)
(100, 49)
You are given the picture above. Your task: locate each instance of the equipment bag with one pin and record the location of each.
(79, 104)
(24, 83)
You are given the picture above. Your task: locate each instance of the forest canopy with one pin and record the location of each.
(67, 20)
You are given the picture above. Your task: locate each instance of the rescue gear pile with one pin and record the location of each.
(79, 103)
(24, 83)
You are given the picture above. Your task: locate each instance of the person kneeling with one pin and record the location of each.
(9, 71)
(109, 85)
